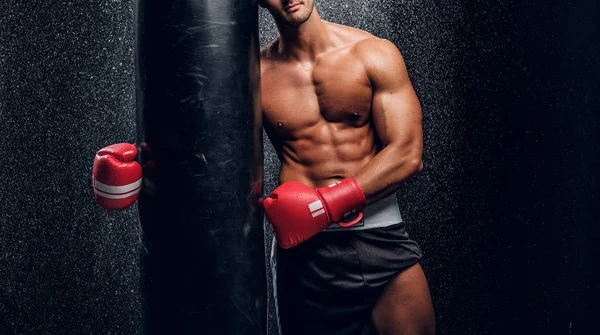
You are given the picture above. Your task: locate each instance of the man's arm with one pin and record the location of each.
(397, 118)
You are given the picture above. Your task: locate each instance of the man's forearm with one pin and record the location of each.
(387, 171)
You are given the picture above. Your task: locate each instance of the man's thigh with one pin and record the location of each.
(330, 283)
(405, 305)
(321, 293)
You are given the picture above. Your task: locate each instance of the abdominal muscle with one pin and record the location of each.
(326, 153)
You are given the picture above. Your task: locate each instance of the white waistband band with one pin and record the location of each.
(383, 213)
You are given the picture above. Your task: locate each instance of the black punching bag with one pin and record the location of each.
(199, 125)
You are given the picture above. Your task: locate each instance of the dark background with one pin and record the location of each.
(506, 209)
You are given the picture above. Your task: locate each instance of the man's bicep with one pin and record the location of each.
(396, 109)
(397, 117)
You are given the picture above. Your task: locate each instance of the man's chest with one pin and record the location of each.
(302, 95)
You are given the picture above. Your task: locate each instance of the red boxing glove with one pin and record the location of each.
(116, 176)
(297, 212)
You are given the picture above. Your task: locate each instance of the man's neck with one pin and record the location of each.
(306, 41)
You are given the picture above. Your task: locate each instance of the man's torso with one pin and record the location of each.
(318, 113)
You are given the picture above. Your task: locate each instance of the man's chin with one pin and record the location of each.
(295, 19)
(294, 22)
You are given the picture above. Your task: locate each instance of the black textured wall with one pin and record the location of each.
(66, 90)
(505, 210)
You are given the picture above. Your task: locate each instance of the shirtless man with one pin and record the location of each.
(344, 119)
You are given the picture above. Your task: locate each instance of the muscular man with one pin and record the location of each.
(344, 119)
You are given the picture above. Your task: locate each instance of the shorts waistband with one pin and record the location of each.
(383, 213)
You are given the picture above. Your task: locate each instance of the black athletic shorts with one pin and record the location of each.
(329, 284)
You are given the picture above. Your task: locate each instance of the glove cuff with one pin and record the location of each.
(342, 199)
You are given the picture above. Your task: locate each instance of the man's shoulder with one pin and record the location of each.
(268, 50)
(363, 43)
(375, 47)
(268, 53)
